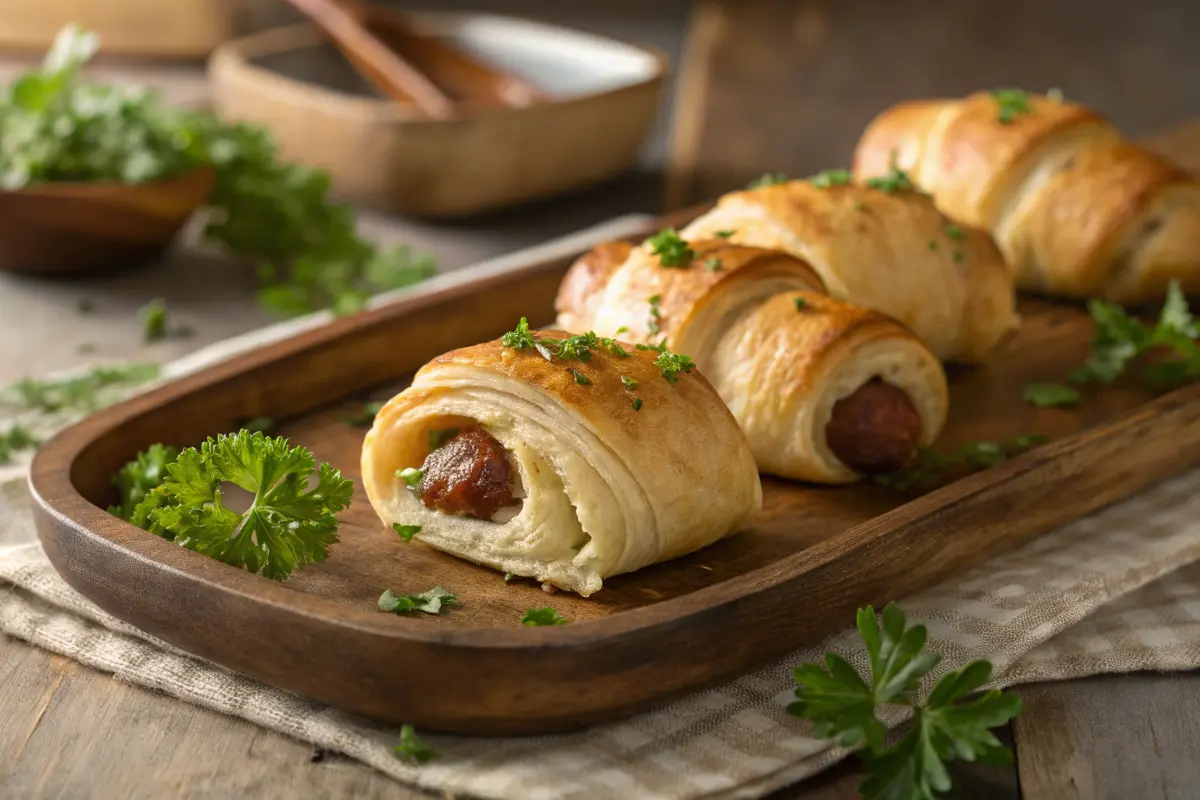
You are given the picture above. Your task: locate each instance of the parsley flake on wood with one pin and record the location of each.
(287, 524)
(406, 532)
(411, 748)
(1010, 104)
(542, 616)
(1119, 339)
(1050, 395)
(843, 706)
(768, 179)
(431, 602)
(672, 251)
(831, 177)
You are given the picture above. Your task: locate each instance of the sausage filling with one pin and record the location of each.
(876, 429)
(469, 474)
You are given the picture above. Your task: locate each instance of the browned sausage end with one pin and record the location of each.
(875, 429)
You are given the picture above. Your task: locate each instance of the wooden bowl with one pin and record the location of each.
(66, 228)
(604, 95)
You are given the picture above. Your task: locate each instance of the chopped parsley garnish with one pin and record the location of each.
(622, 329)
(509, 576)
(670, 363)
(831, 177)
(14, 440)
(800, 302)
(580, 378)
(438, 438)
(153, 317)
(542, 616)
(723, 234)
(844, 707)
(1049, 395)
(637, 404)
(768, 179)
(931, 466)
(86, 392)
(577, 348)
(406, 532)
(954, 232)
(520, 337)
(287, 524)
(410, 475)
(411, 748)
(628, 382)
(896, 179)
(712, 264)
(431, 602)
(672, 251)
(1011, 103)
(655, 314)
(958, 256)
(932, 244)
(1119, 339)
(363, 416)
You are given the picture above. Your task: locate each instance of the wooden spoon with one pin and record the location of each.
(380, 65)
(71, 227)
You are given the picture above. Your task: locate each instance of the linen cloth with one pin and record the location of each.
(1118, 591)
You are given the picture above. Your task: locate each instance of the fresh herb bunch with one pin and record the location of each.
(286, 526)
(14, 440)
(931, 466)
(56, 127)
(1119, 339)
(844, 707)
(85, 392)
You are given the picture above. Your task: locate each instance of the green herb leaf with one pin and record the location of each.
(723, 234)
(542, 616)
(637, 404)
(768, 179)
(86, 392)
(1011, 103)
(831, 177)
(628, 382)
(431, 602)
(439, 438)
(286, 526)
(800, 302)
(580, 378)
(1048, 395)
(363, 416)
(622, 329)
(406, 532)
(14, 440)
(411, 748)
(655, 314)
(520, 337)
(672, 251)
(712, 263)
(410, 475)
(672, 364)
(896, 179)
(509, 577)
(954, 232)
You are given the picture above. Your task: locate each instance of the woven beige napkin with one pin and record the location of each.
(1115, 592)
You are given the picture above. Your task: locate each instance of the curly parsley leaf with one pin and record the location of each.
(542, 616)
(406, 532)
(411, 748)
(56, 127)
(139, 477)
(844, 706)
(431, 602)
(287, 524)
(672, 251)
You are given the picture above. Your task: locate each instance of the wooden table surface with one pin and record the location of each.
(761, 86)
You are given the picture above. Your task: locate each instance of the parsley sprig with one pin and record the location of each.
(411, 748)
(896, 179)
(1119, 339)
(286, 526)
(843, 706)
(56, 127)
(671, 364)
(671, 249)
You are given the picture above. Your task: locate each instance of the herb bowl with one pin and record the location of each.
(71, 228)
(603, 96)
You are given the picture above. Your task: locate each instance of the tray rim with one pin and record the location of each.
(61, 509)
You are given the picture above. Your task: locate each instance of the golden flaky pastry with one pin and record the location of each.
(1075, 208)
(602, 487)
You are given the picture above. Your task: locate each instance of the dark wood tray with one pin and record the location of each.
(813, 556)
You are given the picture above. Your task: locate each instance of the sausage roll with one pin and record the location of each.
(1075, 208)
(565, 459)
(888, 249)
(825, 391)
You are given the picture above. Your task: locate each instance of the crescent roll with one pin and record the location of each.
(825, 391)
(1075, 208)
(886, 249)
(526, 456)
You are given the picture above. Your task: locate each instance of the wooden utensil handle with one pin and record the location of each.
(384, 68)
(465, 78)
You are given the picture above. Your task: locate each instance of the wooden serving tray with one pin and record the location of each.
(813, 556)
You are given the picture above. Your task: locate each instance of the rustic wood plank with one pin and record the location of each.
(1110, 736)
(70, 732)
